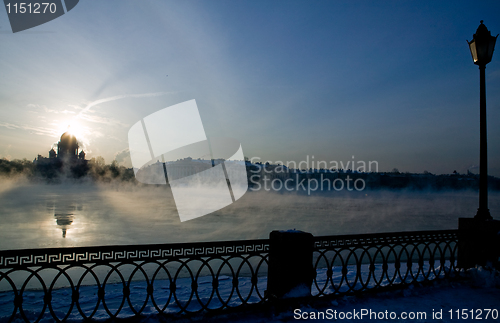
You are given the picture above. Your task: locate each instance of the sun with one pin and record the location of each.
(74, 128)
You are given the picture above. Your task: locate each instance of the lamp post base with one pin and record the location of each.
(478, 243)
(483, 214)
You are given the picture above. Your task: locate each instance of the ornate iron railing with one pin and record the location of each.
(130, 280)
(122, 281)
(354, 263)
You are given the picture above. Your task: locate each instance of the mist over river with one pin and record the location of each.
(88, 214)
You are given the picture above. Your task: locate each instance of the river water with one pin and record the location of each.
(87, 214)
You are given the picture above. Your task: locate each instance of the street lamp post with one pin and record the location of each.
(481, 48)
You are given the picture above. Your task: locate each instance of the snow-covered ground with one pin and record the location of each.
(445, 300)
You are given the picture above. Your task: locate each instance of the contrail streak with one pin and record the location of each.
(118, 97)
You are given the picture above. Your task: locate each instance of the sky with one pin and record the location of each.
(385, 81)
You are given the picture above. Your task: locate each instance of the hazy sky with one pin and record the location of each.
(391, 81)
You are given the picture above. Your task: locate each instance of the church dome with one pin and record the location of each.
(68, 145)
(68, 139)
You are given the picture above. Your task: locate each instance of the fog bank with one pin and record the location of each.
(70, 214)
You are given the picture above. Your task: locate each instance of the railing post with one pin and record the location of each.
(290, 272)
(478, 242)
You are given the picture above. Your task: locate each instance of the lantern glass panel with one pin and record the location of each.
(473, 50)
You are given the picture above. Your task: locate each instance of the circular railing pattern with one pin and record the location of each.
(346, 265)
(183, 276)
(123, 281)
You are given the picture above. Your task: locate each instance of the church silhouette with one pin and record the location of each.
(67, 161)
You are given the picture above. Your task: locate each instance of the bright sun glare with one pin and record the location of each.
(74, 128)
